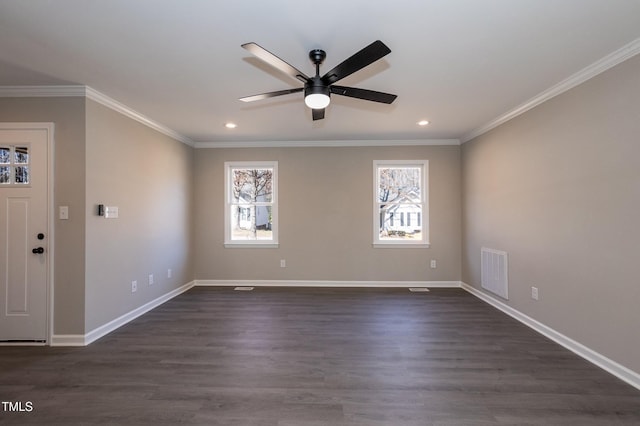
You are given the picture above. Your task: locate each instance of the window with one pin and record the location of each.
(251, 209)
(14, 165)
(401, 203)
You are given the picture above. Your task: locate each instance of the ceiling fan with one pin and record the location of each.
(317, 90)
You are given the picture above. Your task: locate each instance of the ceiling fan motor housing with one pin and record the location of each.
(315, 86)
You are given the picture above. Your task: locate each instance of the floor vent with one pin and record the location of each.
(243, 288)
(494, 271)
(418, 289)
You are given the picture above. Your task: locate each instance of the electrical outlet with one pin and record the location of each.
(534, 293)
(283, 263)
(169, 273)
(134, 286)
(150, 279)
(433, 264)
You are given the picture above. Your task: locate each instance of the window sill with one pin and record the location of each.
(251, 245)
(401, 245)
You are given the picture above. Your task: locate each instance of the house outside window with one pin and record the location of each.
(401, 203)
(251, 209)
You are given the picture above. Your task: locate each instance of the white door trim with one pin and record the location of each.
(49, 128)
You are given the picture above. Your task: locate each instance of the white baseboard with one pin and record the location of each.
(620, 371)
(103, 330)
(325, 283)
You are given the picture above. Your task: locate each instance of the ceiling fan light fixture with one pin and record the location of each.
(317, 100)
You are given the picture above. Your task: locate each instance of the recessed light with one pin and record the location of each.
(230, 125)
(423, 122)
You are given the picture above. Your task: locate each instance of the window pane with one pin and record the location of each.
(399, 184)
(22, 155)
(5, 154)
(252, 185)
(22, 174)
(400, 222)
(250, 222)
(5, 174)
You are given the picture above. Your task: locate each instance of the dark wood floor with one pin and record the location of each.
(310, 357)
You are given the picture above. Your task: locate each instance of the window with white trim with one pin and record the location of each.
(401, 203)
(251, 208)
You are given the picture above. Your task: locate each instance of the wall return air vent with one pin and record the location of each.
(494, 271)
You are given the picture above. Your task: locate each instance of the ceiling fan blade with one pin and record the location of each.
(270, 95)
(359, 60)
(369, 95)
(318, 114)
(275, 62)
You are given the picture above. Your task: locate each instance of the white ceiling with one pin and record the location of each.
(459, 63)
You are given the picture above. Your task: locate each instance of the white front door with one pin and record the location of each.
(24, 231)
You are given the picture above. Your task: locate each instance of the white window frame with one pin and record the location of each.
(423, 242)
(228, 167)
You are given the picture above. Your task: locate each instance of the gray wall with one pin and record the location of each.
(148, 176)
(102, 156)
(325, 217)
(559, 189)
(69, 190)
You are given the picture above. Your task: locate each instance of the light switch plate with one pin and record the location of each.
(110, 212)
(63, 213)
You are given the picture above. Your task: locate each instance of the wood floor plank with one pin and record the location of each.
(314, 356)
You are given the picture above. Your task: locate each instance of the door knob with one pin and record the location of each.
(37, 250)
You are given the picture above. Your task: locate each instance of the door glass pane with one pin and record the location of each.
(5, 154)
(22, 155)
(5, 174)
(22, 174)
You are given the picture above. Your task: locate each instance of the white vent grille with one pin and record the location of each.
(494, 271)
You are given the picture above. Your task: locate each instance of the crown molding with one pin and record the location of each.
(94, 95)
(326, 143)
(627, 51)
(103, 99)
